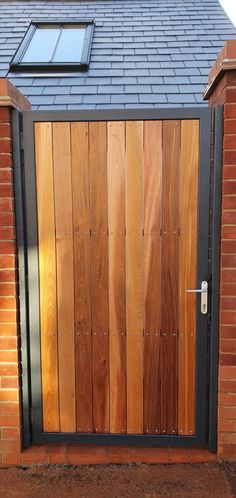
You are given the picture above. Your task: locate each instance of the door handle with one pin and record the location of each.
(204, 295)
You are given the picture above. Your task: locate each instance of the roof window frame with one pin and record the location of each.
(16, 64)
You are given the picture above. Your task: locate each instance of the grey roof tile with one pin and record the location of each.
(68, 99)
(150, 80)
(184, 98)
(125, 65)
(171, 64)
(136, 72)
(143, 52)
(161, 72)
(41, 99)
(210, 58)
(188, 71)
(204, 71)
(20, 82)
(165, 89)
(97, 81)
(126, 80)
(94, 99)
(197, 63)
(54, 90)
(32, 90)
(182, 57)
(125, 98)
(83, 89)
(152, 98)
(196, 79)
(111, 89)
(191, 88)
(45, 81)
(53, 107)
(138, 89)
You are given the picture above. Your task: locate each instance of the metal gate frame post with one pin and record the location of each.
(21, 242)
(215, 278)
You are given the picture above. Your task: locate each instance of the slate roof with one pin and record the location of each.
(154, 53)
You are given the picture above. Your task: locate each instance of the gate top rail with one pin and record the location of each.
(169, 113)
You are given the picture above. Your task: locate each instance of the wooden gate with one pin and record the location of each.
(117, 234)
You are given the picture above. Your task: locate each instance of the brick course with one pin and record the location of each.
(9, 372)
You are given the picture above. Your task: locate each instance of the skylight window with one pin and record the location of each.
(55, 46)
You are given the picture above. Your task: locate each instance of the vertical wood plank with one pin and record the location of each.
(47, 276)
(99, 275)
(134, 274)
(152, 274)
(65, 279)
(169, 277)
(188, 199)
(82, 288)
(116, 250)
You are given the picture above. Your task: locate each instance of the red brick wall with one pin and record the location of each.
(9, 381)
(224, 93)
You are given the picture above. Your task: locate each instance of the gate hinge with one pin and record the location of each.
(21, 140)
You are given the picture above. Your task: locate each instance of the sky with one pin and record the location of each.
(230, 8)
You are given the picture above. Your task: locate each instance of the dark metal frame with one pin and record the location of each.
(29, 118)
(22, 274)
(17, 65)
(215, 277)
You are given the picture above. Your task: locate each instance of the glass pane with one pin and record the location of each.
(70, 45)
(41, 45)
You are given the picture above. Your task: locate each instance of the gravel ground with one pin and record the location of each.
(206, 480)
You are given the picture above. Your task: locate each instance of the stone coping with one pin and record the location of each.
(10, 96)
(226, 61)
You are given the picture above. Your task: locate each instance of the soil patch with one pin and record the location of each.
(209, 480)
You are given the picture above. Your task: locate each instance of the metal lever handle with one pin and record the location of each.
(204, 292)
(196, 290)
